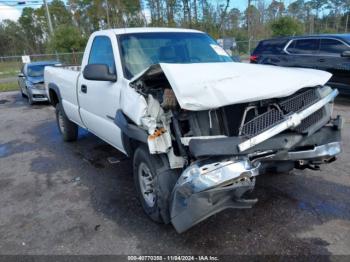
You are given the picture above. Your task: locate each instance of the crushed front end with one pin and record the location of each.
(208, 186)
(293, 132)
(221, 150)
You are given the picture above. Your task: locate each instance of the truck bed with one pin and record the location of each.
(71, 67)
(65, 78)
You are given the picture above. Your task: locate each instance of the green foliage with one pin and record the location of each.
(275, 9)
(11, 86)
(67, 39)
(74, 20)
(11, 38)
(286, 26)
(58, 12)
(9, 69)
(329, 31)
(296, 9)
(32, 30)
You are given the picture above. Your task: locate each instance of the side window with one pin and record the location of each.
(304, 46)
(274, 46)
(332, 46)
(102, 53)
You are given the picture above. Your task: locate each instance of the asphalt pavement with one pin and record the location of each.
(69, 198)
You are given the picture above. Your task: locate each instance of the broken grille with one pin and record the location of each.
(299, 101)
(290, 105)
(310, 121)
(262, 122)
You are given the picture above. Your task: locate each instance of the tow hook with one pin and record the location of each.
(301, 164)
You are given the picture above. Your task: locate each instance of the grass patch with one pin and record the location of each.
(8, 74)
(11, 86)
(8, 69)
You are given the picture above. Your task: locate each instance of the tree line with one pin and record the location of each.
(74, 21)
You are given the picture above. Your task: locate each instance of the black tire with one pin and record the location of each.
(23, 95)
(67, 128)
(163, 179)
(30, 99)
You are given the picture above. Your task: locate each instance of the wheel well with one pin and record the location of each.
(53, 97)
(130, 145)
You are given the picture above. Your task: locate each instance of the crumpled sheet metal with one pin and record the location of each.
(156, 121)
(203, 86)
(204, 189)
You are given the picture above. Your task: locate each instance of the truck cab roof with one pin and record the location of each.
(120, 31)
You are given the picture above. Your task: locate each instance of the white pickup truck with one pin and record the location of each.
(198, 126)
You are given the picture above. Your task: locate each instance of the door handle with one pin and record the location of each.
(83, 88)
(321, 60)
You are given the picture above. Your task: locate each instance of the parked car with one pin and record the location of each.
(198, 126)
(31, 80)
(325, 52)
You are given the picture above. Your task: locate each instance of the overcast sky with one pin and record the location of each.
(9, 12)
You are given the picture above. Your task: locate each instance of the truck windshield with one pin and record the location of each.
(140, 50)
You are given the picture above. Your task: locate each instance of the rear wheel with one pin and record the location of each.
(154, 181)
(67, 128)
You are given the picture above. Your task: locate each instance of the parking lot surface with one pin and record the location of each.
(79, 198)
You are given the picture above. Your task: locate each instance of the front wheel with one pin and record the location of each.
(154, 181)
(67, 128)
(23, 95)
(30, 98)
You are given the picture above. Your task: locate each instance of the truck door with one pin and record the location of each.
(99, 100)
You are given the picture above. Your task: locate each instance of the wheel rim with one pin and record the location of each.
(60, 122)
(146, 184)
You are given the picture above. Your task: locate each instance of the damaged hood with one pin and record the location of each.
(35, 79)
(202, 86)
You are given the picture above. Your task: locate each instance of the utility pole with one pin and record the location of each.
(248, 18)
(346, 23)
(48, 17)
(107, 11)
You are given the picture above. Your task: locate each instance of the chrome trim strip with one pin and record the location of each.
(317, 38)
(327, 150)
(186, 140)
(286, 47)
(292, 121)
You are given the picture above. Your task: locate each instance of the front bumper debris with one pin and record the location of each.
(318, 153)
(208, 187)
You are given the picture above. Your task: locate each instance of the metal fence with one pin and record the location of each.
(244, 48)
(11, 65)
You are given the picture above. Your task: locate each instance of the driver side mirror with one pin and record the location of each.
(20, 75)
(345, 54)
(98, 72)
